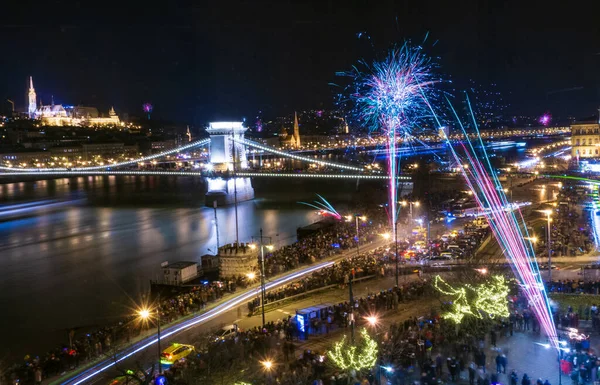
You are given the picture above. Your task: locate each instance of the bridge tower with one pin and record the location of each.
(227, 154)
(225, 145)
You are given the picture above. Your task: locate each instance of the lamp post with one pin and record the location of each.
(410, 207)
(351, 298)
(267, 367)
(145, 315)
(356, 218)
(373, 321)
(548, 238)
(559, 354)
(262, 271)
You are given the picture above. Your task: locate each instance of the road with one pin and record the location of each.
(225, 311)
(195, 335)
(221, 314)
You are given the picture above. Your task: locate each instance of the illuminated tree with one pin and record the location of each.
(350, 358)
(492, 297)
(488, 299)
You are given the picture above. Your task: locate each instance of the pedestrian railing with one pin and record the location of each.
(269, 306)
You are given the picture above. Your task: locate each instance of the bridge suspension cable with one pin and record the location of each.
(120, 164)
(78, 172)
(298, 157)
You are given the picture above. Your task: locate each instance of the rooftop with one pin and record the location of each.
(180, 265)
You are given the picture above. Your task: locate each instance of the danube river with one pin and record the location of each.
(89, 260)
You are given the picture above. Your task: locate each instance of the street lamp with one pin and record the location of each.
(262, 270)
(410, 204)
(372, 320)
(549, 232)
(267, 366)
(559, 355)
(145, 315)
(356, 218)
(532, 239)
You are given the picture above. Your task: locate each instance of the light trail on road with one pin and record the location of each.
(199, 319)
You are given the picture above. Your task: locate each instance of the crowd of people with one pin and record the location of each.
(84, 346)
(407, 345)
(277, 341)
(571, 286)
(431, 349)
(571, 232)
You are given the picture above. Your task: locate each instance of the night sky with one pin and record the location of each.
(228, 59)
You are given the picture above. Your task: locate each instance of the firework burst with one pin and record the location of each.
(390, 97)
(325, 208)
(545, 119)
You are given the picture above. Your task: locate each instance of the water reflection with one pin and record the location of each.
(78, 265)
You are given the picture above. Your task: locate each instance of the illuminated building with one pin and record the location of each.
(293, 140)
(32, 99)
(59, 115)
(16, 158)
(179, 273)
(237, 261)
(585, 140)
(162, 145)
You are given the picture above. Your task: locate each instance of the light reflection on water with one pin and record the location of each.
(78, 265)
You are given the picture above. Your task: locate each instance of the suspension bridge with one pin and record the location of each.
(229, 173)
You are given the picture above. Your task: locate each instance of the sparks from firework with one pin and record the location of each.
(147, 108)
(507, 225)
(488, 104)
(545, 119)
(389, 96)
(325, 208)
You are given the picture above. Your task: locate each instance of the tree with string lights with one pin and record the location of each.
(354, 358)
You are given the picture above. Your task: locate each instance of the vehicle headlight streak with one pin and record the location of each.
(226, 306)
(508, 226)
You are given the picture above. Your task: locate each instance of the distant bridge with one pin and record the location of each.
(79, 172)
(230, 182)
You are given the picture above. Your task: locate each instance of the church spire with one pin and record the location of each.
(32, 99)
(296, 137)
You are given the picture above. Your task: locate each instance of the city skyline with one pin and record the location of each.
(197, 64)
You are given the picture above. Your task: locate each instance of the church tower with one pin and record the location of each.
(32, 103)
(296, 137)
